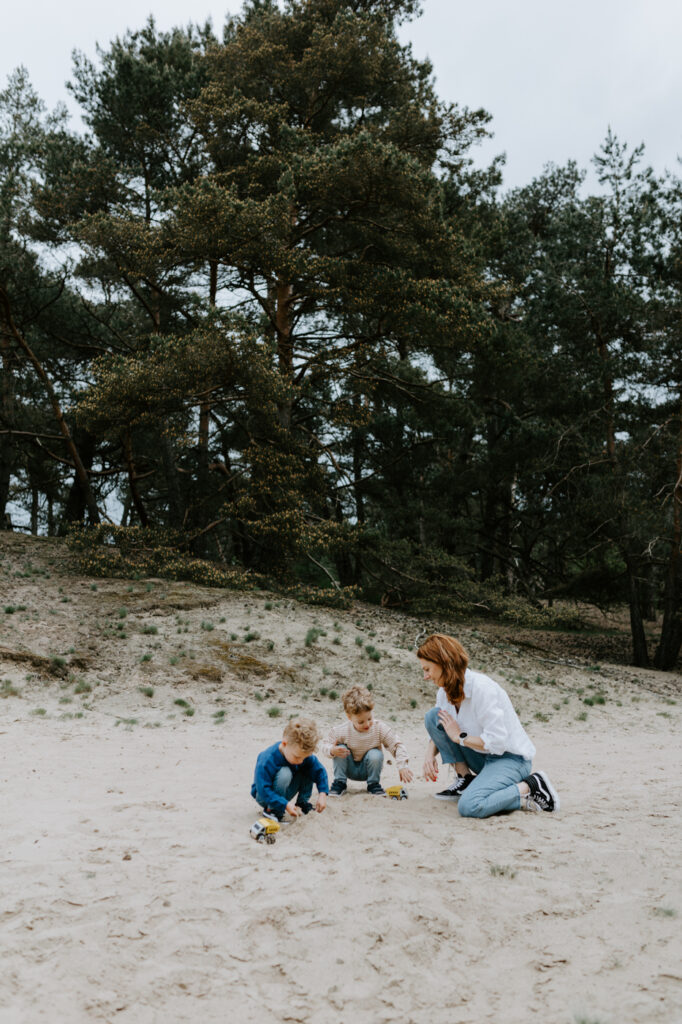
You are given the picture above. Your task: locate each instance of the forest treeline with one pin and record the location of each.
(264, 303)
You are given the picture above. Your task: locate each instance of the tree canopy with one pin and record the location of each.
(264, 300)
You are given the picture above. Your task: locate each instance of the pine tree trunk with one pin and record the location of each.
(346, 565)
(357, 478)
(35, 505)
(7, 420)
(640, 652)
(132, 480)
(76, 504)
(5, 477)
(670, 640)
(175, 506)
(201, 543)
(285, 348)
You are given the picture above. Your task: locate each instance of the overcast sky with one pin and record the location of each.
(553, 75)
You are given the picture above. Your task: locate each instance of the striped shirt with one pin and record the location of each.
(379, 734)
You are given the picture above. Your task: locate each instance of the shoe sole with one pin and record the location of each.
(337, 794)
(443, 796)
(551, 790)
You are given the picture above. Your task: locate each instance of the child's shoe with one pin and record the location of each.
(337, 788)
(275, 815)
(305, 806)
(376, 789)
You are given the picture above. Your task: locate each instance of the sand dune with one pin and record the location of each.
(132, 891)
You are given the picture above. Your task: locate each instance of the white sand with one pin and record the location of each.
(132, 892)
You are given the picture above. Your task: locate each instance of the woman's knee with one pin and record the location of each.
(431, 719)
(470, 805)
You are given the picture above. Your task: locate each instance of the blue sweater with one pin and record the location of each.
(269, 763)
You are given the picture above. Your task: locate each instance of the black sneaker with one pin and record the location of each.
(456, 788)
(542, 795)
(275, 815)
(305, 806)
(337, 788)
(376, 789)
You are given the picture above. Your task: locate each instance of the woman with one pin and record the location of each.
(475, 727)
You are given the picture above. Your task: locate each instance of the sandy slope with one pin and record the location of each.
(132, 892)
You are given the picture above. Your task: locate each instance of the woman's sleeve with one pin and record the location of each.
(490, 715)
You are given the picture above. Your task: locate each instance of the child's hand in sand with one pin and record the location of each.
(339, 751)
(321, 802)
(430, 769)
(405, 775)
(293, 810)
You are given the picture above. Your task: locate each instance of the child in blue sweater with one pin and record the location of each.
(286, 771)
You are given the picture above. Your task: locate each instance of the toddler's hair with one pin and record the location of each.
(356, 700)
(303, 732)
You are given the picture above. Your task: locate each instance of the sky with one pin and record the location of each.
(554, 76)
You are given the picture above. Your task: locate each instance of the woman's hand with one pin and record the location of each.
(430, 768)
(450, 724)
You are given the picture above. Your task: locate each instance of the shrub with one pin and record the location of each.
(312, 636)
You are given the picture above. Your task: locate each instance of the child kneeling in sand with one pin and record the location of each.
(356, 745)
(288, 769)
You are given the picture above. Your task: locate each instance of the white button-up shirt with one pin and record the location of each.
(487, 711)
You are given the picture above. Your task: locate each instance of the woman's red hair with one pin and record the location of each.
(447, 652)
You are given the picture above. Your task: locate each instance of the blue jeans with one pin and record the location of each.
(494, 790)
(288, 784)
(368, 768)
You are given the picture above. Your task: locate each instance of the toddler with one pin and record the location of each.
(286, 771)
(356, 745)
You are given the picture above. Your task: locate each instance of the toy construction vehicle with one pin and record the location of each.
(265, 829)
(396, 792)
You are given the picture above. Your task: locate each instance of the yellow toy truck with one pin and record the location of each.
(396, 792)
(264, 830)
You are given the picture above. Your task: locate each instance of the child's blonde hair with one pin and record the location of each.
(356, 700)
(303, 732)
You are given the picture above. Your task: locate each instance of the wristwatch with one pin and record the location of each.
(463, 736)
